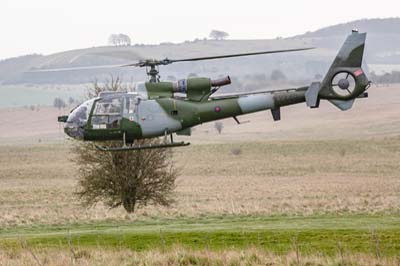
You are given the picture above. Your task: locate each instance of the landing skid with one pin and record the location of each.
(144, 147)
(138, 147)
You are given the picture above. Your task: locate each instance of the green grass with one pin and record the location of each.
(312, 235)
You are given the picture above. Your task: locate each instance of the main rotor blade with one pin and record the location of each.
(138, 64)
(166, 61)
(237, 55)
(72, 68)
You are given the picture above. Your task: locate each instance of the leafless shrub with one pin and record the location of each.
(296, 248)
(59, 103)
(376, 245)
(236, 151)
(74, 256)
(219, 126)
(131, 179)
(71, 101)
(111, 84)
(341, 251)
(25, 246)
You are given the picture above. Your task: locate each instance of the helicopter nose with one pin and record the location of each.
(76, 122)
(74, 130)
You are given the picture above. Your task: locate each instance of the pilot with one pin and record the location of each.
(115, 106)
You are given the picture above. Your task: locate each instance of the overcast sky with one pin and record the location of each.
(49, 26)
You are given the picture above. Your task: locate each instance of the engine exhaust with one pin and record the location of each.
(221, 82)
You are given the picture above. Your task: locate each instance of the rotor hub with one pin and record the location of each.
(344, 84)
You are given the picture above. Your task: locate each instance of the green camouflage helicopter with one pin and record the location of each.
(154, 110)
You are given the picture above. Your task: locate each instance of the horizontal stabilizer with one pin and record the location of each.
(343, 105)
(311, 95)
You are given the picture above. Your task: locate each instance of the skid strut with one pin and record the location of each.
(137, 147)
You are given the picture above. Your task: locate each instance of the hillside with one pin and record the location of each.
(382, 50)
(383, 38)
(100, 56)
(372, 26)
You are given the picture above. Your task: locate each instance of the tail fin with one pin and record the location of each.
(351, 53)
(345, 79)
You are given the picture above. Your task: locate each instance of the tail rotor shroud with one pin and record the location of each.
(343, 84)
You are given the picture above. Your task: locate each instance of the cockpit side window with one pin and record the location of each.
(131, 105)
(109, 106)
(107, 113)
(80, 114)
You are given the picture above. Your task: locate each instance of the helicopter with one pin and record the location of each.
(154, 108)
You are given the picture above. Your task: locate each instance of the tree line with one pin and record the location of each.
(386, 78)
(122, 39)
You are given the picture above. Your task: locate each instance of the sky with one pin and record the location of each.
(49, 26)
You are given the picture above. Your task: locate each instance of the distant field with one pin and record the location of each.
(375, 117)
(382, 69)
(27, 96)
(266, 178)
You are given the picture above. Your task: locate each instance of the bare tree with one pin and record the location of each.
(131, 179)
(71, 100)
(113, 39)
(278, 75)
(218, 35)
(236, 151)
(192, 75)
(119, 40)
(125, 39)
(59, 103)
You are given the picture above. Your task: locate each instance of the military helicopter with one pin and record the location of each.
(154, 109)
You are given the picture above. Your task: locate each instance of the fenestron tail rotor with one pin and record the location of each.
(343, 83)
(153, 64)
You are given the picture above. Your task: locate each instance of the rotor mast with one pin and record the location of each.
(153, 73)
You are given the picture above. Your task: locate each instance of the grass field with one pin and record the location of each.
(267, 238)
(266, 178)
(322, 233)
(329, 202)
